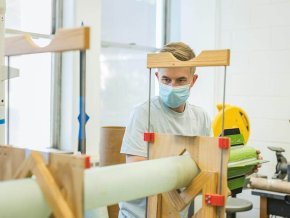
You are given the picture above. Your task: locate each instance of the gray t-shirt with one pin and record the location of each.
(194, 121)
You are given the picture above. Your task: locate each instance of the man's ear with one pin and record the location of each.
(157, 75)
(194, 78)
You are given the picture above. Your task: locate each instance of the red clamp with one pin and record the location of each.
(87, 162)
(149, 136)
(215, 200)
(224, 143)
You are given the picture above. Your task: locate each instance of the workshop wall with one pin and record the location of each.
(258, 34)
(197, 27)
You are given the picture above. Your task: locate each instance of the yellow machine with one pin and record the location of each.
(242, 158)
(235, 119)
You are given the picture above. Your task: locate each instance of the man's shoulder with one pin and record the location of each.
(144, 106)
(198, 111)
(196, 108)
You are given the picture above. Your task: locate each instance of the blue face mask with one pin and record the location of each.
(173, 97)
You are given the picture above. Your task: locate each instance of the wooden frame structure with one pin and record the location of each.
(61, 179)
(65, 199)
(208, 153)
(64, 40)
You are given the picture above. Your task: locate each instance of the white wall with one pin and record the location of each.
(258, 34)
(258, 80)
(197, 28)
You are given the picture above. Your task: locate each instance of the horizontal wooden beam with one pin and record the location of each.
(64, 40)
(207, 58)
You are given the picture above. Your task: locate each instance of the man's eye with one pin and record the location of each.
(166, 80)
(182, 81)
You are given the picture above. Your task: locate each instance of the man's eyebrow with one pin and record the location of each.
(165, 77)
(183, 77)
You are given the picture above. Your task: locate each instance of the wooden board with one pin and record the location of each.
(204, 59)
(64, 40)
(68, 171)
(206, 153)
(61, 180)
(10, 160)
(35, 165)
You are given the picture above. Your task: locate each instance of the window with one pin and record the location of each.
(29, 94)
(125, 44)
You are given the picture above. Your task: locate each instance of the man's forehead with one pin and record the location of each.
(175, 71)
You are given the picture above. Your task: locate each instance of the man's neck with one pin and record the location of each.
(179, 109)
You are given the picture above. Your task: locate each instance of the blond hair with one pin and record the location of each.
(181, 51)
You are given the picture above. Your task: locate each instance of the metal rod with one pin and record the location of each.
(149, 118)
(149, 111)
(82, 115)
(224, 101)
(56, 78)
(167, 22)
(222, 134)
(8, 103)
(149, 103)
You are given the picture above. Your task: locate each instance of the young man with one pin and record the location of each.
(170, 114)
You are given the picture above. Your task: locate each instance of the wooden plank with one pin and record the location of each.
(204, 59)
(194, 188)
(68, 172)
(174, 198)
(152, 208)
(181, 200)
(210, 156)
(167, 211)
(49, 187)
(198, 214)
(24, 169)
(263, 207)
(10, 159)
(64, 40)
(210, 187)
(205, 152)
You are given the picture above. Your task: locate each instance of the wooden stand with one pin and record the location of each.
(206, 152)
(75, 39)
(60, 180)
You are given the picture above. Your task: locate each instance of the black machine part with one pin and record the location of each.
(282, 167)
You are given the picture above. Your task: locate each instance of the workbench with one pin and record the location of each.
(273, 203)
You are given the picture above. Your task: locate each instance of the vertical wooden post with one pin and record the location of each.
(263, 207)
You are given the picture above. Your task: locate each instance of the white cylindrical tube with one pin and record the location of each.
(22, 198)
(103, 186)
(109, 185)
(274, 185)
